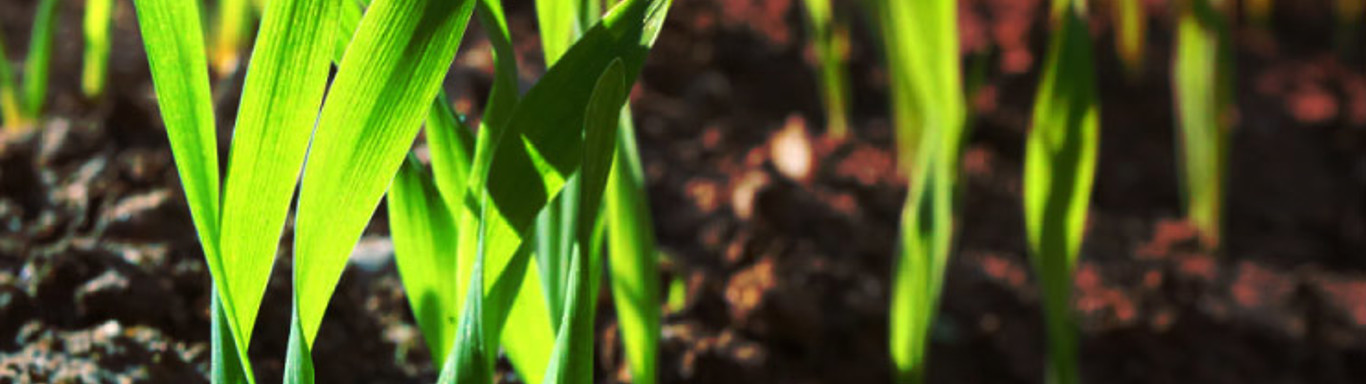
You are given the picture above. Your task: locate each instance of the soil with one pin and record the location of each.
(782, 236)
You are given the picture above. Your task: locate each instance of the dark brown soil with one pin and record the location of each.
(782, 236)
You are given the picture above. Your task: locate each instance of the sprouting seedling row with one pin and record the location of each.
(1060, 153)
(474, 214)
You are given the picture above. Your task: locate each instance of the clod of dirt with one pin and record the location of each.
(143, 216)
(16, 308)
(126, 294)
(1312, 104)
(743, 193)
(61, 141)
(106, 353)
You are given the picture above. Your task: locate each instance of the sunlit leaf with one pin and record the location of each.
(382, 90)
(572, 359)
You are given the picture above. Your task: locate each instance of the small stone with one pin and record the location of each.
(61, 142)
(373, 253)
(743, 191)
(144, 216)
(791, 150)
(16, 308)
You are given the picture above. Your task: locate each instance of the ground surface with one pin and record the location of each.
(782, 236)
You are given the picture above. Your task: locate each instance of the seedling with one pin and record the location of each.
(99, 14)
(20, 108)
(1060, 161)
(1131, 34)
(830, 39)
(233, 25)
(929, 110)
(1202, 80)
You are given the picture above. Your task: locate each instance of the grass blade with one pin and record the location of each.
(11, 109)
(423, 232)
(298, 356)
(559, 22)
(225, 366)
(829, 38)
(572, 360)
(527, 334)
(348, 18)
(535, 146)
(99, 14)
(1131, 34)
(633, 261)
(1202, 83)
(504, 95)
(280, 99)
(1060, 161)
(175, 54)
(36, 65)
(469, 361)
(929, 109)
(390, 73)
(532, 144)
(232, 30)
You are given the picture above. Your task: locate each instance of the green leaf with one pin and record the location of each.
(930, 113)
(390, 73)
(519, 186)
(175, 54)
(633, 260)
(225, 366)
(555, 240)
(347, 20)
(11, 108)
(572, 359)
(527, 337)
(1060, 161)
(561, 22)
(535, 155)
(451, 145)
(298, 358)
(1131, 33)
(232, 31)
(829, 38)
(559, 26)
(678, 294)
(39, 57)
(1202, 84)
(280, 97)
(920, 39)
(503, 96)
(99, 14)
(423, 232)
(469, 360)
